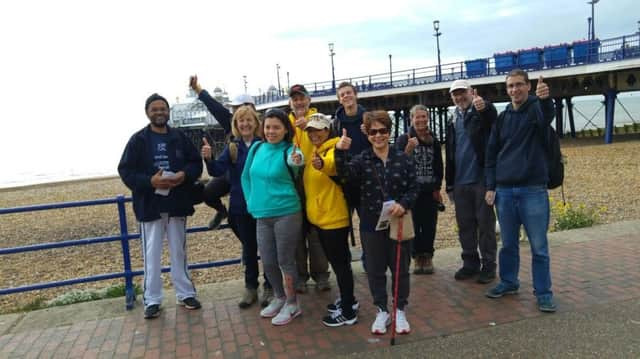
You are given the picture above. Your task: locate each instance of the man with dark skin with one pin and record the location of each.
(159, 164)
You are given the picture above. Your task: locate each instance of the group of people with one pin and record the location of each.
(295, 180)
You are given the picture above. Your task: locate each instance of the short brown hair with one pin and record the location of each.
(344, 84)
(245, 110)
(381, 116)
(518, 72)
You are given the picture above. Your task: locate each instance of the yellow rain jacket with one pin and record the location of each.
(301, 139)
(326, 206)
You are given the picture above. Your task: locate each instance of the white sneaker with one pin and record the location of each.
(402, 325)
(383, 320)
(273, 308)
(287, 313)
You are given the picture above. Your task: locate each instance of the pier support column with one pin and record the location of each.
(572, 124)
(559, 122)
(432, 119)
(610, 105)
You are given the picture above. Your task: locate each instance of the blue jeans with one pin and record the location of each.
(527, 206)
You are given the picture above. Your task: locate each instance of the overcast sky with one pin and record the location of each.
(86, 67)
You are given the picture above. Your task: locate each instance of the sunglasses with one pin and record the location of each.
(382, 131)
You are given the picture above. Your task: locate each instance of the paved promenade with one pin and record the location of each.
(595, 271)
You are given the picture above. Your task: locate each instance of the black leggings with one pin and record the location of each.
(216, 188)
(335, 243)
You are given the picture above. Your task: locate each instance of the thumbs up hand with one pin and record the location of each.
(412, 143)
(344, 143)
(542, 89)
(296, 156)
(193, 83)
(478, 102)
(205, 152)
(317, 161)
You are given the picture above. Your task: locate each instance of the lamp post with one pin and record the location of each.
(244, 77)
(278, 73)
(333, 71)
(437, 33)
(593, 19)
(288, 86)
(390, 72)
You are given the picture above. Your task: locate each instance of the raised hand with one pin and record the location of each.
(478, 102)
(542, 89)
(205, 152)
(296, 157)
(412, 143)
(317, 161)
(193, 83)
(300, 122)
(344, 143)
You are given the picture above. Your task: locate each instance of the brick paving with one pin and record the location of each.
(584, 274)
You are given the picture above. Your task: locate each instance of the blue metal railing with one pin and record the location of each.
(124, 238)
(564, 55)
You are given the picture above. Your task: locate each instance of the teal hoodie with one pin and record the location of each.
(266, 181)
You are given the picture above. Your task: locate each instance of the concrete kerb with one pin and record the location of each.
(114, 308)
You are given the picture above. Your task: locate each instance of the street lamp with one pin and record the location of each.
(333, 71)
(278, 73)
(288, 86)
(244, 77)
(593, 19)
(390, 72)
(437, 33)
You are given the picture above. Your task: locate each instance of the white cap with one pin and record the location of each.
(318, 121)
(242, 99)
(459, 84)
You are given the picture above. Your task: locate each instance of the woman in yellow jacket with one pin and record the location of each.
(327, 212)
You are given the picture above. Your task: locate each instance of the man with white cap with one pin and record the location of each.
(467, 136)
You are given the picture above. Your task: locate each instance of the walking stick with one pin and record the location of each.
(395, 289)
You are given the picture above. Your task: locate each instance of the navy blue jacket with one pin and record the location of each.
(397, 179)
(218, 167)
(359, 140)
(478, 127)
(136, 169)
(517, 150)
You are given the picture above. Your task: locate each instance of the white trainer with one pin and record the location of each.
(402, 325)
(287, 313)
(383, 320)
(273, 308)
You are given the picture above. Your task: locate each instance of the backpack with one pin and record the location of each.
(555, 161)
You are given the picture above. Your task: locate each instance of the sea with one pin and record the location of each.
(589, 113)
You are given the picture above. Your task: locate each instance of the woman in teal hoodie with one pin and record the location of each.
(270, 192)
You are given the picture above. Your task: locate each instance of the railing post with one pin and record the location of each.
(130, 293)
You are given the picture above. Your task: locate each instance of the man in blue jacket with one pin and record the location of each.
(159, 165)
(517, 175)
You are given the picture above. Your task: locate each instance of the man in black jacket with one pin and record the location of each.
(467, 136)
(517, 174)
(159, 164)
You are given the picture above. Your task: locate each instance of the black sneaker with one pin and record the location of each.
(215, 222)
(338, 319)
(486, 277)
(465, 273)
(190, 303)
(336, 306)
(152, 311)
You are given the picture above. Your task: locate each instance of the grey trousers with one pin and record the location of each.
(381, 252)
(278, 239)
(476, 227)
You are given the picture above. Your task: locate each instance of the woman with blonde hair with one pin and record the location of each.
(246, 129)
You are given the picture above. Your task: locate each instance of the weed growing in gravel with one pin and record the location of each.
(569, 216)
(78, 296)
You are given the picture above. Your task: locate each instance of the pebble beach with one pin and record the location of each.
(599, 176)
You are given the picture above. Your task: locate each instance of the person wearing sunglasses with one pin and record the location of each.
(269, 189)
(383, 174)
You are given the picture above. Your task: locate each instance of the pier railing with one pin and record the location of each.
(577, 53)
(123, 237)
